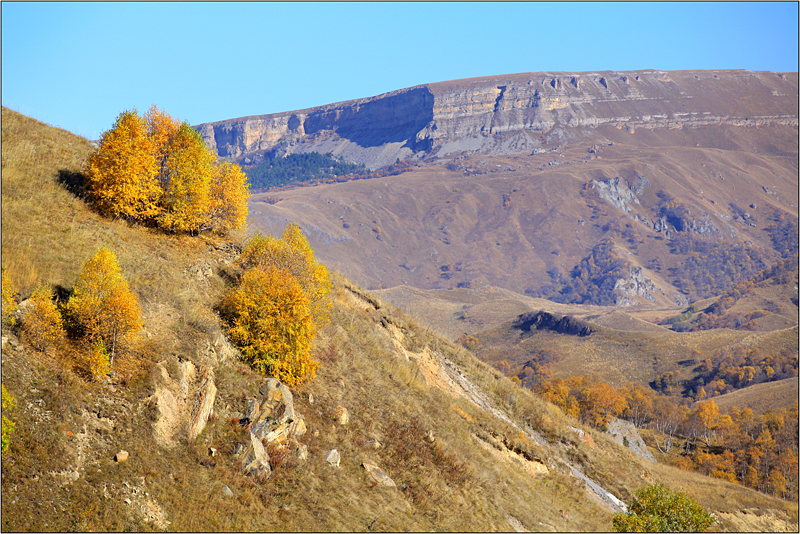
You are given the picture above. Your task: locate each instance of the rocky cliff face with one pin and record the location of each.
(474, 115)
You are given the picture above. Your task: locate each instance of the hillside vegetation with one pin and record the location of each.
(466, 448)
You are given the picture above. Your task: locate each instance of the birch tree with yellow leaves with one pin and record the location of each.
(229, 194)
(122, 173)
(155, 169)
(279, 306)
(187, 173)
(102, 308)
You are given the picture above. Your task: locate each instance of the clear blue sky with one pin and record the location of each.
(78, 65)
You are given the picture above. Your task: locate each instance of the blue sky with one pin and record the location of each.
(78, 65)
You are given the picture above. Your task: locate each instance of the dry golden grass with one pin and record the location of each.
(761, 397)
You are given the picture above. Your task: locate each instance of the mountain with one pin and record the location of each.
(463, 447)
(468, 115)
(639, 183)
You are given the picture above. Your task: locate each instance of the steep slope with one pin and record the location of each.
(466, 449)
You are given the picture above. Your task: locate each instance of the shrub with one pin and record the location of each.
(293, 254)
(271, 320)
(42, 324)
(102, 307)
(656, 508)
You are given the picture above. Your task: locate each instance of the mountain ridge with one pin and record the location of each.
(423, 118)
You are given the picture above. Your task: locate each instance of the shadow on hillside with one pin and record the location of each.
(74, 182)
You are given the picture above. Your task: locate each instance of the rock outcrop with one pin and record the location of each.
(437, 117)
(271, 418)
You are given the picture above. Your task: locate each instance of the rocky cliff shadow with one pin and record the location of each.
(392, 119)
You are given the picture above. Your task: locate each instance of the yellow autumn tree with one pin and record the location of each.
(186, 175)
(161, 127)
(102, 307)
(293, 254)
(271, 320)
(122, 173)
(229, 194)
(42, 324)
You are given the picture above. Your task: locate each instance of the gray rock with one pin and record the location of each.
(226, 491)
(256, 460)
(380, 477)
(333, 457)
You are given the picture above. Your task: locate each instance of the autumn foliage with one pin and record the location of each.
(102, 308)
(42, 324)
(275, 312)
(157, 170)
(272, 323)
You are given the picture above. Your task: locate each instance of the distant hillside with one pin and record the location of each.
(637, 190)
(761, 397)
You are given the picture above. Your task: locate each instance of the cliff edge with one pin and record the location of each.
(484, 115)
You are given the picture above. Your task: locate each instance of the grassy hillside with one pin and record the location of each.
(761, 397)
(623, 353)
(467, 449)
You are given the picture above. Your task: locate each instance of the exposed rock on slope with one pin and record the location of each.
(439, 117)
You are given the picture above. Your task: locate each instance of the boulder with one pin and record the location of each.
(256, 460)
(302, 452)
(298, 426)
(272, 414)
(333, 457)
(276, 410)
(381, 478)
(121, 456)
(204, 404)
(342, 415)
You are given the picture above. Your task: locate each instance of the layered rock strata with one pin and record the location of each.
(419, 120)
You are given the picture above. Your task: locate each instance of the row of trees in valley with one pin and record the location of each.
(156, 170)
(758, 451)
(298, 168)
(310, 169)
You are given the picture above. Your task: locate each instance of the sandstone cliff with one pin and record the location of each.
(477, 115)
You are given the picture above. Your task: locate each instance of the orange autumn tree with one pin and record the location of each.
(293, 254)
(229, 194)
(42, 324)
(155, 169)
(122, 173)
(161, 128)
(271, 321)
(187, 174)
(102, 308)
(279, 306)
